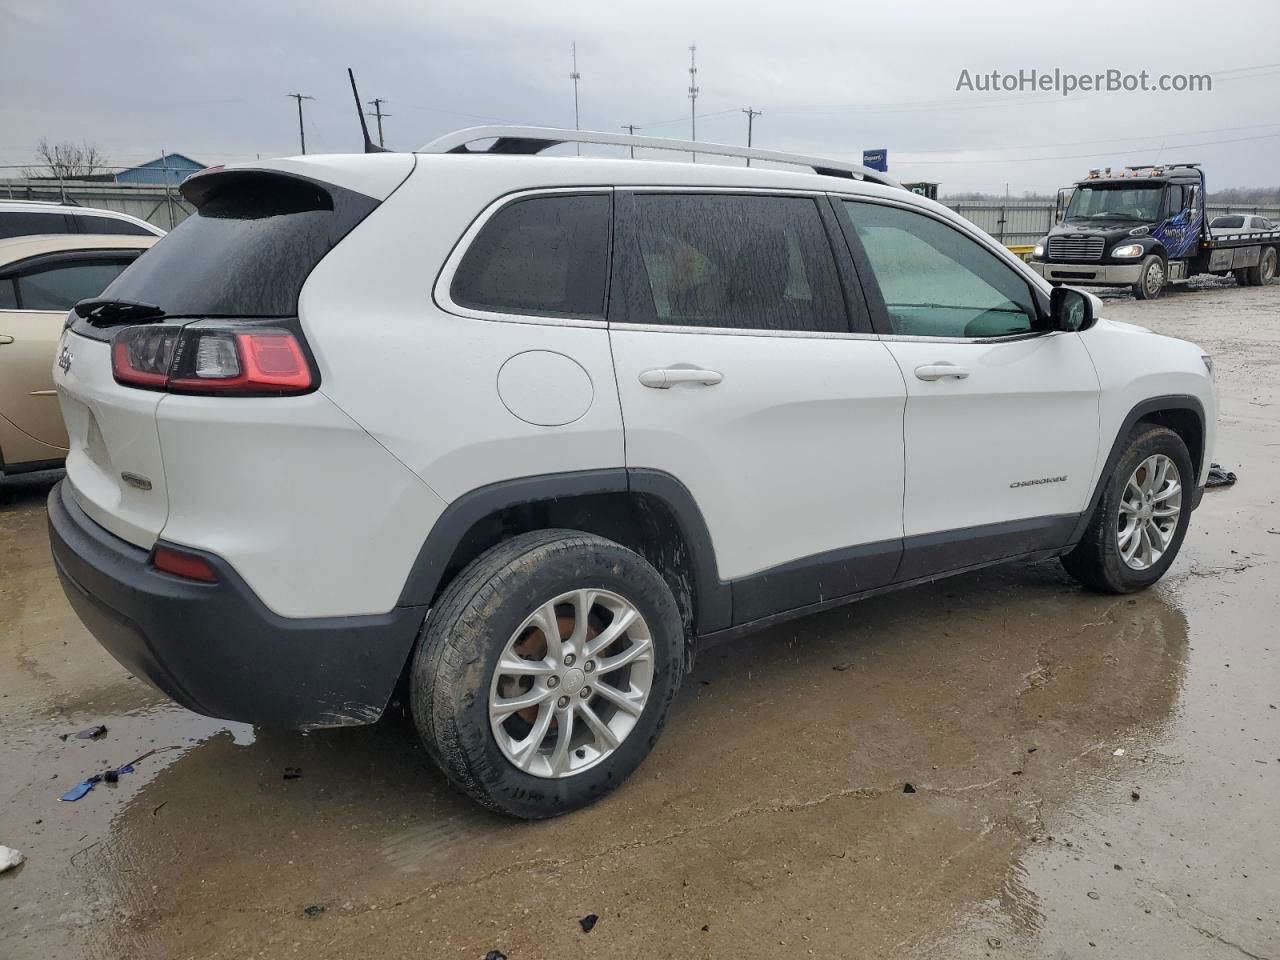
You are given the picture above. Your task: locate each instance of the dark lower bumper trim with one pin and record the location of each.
(216, 648)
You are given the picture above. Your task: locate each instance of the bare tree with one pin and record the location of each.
(67, 160)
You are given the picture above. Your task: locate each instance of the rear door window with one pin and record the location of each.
(544, 255)
(732, 261)
(61, 285)
(28, 224)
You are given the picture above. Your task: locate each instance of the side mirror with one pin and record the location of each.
(1071, 310)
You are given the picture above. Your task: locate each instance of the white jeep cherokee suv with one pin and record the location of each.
(524, 432)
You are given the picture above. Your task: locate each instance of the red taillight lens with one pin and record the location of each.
(183, 564)
(142, 356)
(206, 360)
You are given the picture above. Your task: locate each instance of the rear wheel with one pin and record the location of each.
(1150, 279)
(1265, 270)
(544, 673)
(1142, 517)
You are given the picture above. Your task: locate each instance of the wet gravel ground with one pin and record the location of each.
(1089, 776)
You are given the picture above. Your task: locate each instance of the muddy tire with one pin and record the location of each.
(1263, 272)
(1151, 279)
(1140, 521)
(488, 644)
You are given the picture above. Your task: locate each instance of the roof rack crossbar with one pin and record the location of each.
(533, 140)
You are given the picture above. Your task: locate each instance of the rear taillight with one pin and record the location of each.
(205, 359)
(179, 563)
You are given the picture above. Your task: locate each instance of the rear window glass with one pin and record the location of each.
(91, 223)
(544, 255)
(23, 224)
(60, 286)
(248, 248)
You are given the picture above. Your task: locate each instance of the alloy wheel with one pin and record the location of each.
(1149, 511)
(571, 683)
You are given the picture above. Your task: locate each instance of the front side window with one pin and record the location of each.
(1175, 200)
(936, 282)
(541, 255)
(61, 286)
(733, 261)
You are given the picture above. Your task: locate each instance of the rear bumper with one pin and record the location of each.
(1093, 274)
(216, 648)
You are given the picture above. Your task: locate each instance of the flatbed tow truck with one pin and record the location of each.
(1144, 227)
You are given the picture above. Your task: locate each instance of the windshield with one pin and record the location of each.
(1127, 202)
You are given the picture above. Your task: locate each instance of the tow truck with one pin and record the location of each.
(1144, 227)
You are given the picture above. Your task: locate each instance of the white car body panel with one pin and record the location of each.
(1134, 365)
(796, 452)
(243, 472)
(1027, 411)
(111, 430)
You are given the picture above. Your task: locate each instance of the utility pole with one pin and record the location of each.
(575, 76)
(693, 96)
(751, 115)
(631, 128)
(302, 135)
(377, 103)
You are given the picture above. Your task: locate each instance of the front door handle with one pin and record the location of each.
(670, 376)
(940, 370)
(5, 338)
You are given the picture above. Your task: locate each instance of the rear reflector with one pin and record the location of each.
(183, 564)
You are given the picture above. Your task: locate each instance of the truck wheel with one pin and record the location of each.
(1142, 517)
(1264, 271)
(1150, 279)
(1242, 276)
(544, 672)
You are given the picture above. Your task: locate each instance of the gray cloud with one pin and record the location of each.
(210, 80)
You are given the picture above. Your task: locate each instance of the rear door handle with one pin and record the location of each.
(940, 370)
(5, 338)
(670, 376)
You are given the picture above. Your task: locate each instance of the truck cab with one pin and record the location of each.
(1140, 228)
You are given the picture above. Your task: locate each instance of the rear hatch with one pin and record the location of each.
(238, 263)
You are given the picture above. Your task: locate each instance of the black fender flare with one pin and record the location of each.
(713, 597)
(1143, 409)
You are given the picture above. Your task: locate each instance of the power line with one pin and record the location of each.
(751, 116)
(377, 103)
(302, 136)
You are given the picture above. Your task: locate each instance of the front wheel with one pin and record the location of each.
(1150, 279)
(544, 673)
(1142, 516)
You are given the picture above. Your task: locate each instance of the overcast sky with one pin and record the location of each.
(210, 79)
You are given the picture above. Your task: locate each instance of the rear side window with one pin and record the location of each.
(747, 262)
(543, 255)
(1228, 222)
(91, 223)
(24, 224)
(248, 248)
(60, 286)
